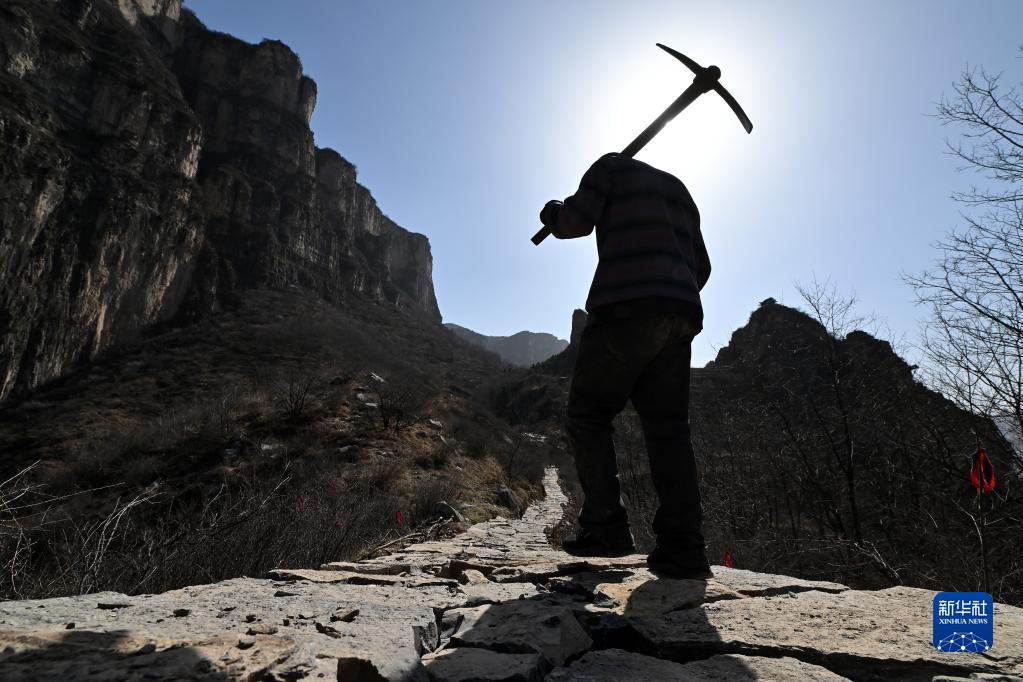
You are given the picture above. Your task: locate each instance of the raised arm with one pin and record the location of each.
(576, 216)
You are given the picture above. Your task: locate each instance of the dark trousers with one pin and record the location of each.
(640, 353)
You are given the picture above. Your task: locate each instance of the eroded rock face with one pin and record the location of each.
(151, 166)
(99, 228)
(281, 211)
(410, 616)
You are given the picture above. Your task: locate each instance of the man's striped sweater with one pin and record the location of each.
(648, 235)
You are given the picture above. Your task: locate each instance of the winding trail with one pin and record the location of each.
(496, 603)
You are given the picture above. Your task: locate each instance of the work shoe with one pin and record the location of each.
(690, 564)
(586, 544)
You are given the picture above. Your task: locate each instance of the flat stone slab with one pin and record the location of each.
(360, 578)
(753, 584)
(614, 665)
(612, 588)
(659, 596)
(748, 583)
(368, 567)
(865, 635)
(241, 628)
(481, 593)
(467, 664)
(456, 594)
(556, 563)
(543, 625)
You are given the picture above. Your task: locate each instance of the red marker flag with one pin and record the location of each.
(982, 472)
(728, 560)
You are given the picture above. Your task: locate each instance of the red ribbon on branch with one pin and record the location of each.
(982, 472)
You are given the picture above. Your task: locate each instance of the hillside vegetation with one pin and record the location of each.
(285, 433)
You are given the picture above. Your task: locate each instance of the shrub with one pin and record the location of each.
(398, 403)
(148, 541)
(292, 392)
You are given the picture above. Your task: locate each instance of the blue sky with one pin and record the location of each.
(465, 116)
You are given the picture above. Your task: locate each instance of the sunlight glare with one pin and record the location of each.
(695, 145)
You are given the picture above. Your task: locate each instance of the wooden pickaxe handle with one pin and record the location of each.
(541, 235)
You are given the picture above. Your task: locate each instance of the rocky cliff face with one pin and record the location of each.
(279, 210)
(100, 226)
(523, 349)
(152, 167)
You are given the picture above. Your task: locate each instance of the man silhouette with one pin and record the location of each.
(644, 310)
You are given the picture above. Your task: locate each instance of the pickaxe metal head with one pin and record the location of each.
(705, 80)
(712, 74)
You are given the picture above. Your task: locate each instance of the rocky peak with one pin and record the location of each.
(772, 329)
(579, 318)
(779, 340)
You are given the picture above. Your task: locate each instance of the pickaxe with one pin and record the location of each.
(705, 80)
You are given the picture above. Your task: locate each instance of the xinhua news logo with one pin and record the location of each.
(963, 622)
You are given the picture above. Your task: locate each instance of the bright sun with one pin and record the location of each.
(695, 142)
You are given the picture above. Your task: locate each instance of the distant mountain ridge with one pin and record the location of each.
(522, 349)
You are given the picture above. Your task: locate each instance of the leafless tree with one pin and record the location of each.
(836, 314)
(973, 342)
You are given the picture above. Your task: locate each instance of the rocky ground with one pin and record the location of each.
(496, 603)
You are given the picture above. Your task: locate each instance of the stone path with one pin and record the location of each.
(496, 603)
